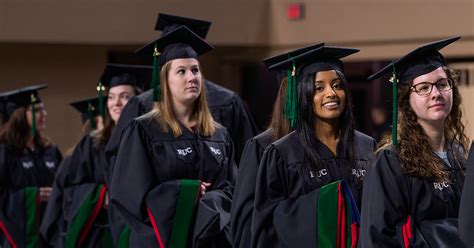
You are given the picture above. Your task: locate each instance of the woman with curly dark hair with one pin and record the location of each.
(300, 175)
(412, 193)
(28, 162)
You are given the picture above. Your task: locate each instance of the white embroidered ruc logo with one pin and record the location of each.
(27, 164)
(50, 165)
(320, 173)
(441, 186)
(216, 151)
(358, 173)
(185, 151)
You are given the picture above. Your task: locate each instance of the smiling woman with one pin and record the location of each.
(81, 186)
(298, 172)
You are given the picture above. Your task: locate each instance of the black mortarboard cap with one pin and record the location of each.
(319, 59)
(133, 75)
(420, 61)
(167, 23)
(14, 99)
(87, 107)
(178, 44)
(282, 73)
(284, 56)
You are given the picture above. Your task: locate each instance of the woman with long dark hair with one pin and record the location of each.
(175, 164)
(412, 192)
(244, 193)
(77, 216)
(291, 192)
(28, 162)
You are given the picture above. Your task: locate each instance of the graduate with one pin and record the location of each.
(91, 117)
(226, 106)
(466, 214)
(28, 162)
(300, 197)
(175, 164)
(244, 192)
(412, 192)
(77, 215)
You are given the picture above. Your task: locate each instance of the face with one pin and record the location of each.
(185, 80)
(329, 97)
(40, 115)
(117, 99)
(435, 106)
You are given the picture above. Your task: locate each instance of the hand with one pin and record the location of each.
(45, 193)
(203, 187)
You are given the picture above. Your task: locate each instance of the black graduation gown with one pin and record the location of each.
(244, 192)
(21, 176)
(466, 214)
(226, 108)
(150, 173)
(286, 200)
(78, 190)
(390, 197)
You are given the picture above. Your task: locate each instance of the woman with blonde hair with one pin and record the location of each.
(175, 164)
(412, 192)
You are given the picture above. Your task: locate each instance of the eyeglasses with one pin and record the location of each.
(425, 88)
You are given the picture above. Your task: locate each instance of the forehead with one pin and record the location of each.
(121, 89)
(432, 76)
(326, 75)
(184, 62)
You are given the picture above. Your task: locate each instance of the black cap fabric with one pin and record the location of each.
(86, 106)
(167, 23)
(133, 75)
(14, 99)
(179, 44)
(420, 61)
(320, 59)
(284, 56)
(282, 73)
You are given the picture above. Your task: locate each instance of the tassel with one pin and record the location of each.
(291, 106)
(155, 80)
(101, 89)
(394, 80)
(33, 116)
(90, 111)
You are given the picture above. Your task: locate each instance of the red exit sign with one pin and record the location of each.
(295, 11)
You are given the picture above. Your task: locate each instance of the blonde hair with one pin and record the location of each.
(163, 111)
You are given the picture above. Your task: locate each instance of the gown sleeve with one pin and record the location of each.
(244, 194)
(276, 218)
(19, 208)
(385, 203)
(466, 215)
(76, 199)
(132, 180)
(212, 224)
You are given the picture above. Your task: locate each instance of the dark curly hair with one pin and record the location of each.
(416, 155)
